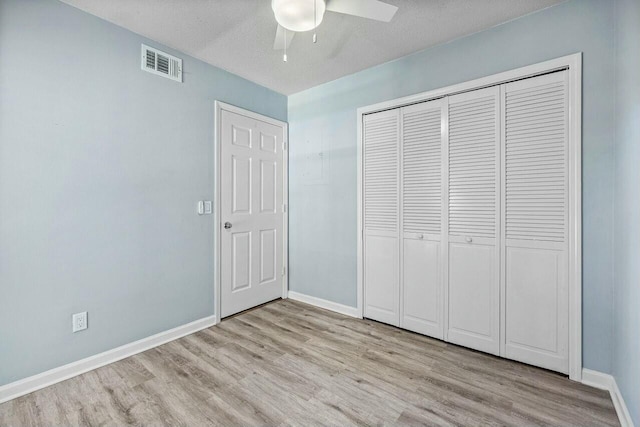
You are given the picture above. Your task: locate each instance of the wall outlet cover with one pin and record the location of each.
(79, 321)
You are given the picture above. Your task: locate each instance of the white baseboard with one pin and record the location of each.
(327, 305)
(608, 382)
(597, 379)
(36, 382)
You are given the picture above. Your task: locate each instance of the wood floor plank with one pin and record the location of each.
(132, 371)
(292, 364)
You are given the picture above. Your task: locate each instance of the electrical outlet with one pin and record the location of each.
(79, 321)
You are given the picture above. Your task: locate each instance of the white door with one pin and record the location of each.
(381, 133)
(251, 212)
(536, 201)
(421, 252)
(473, 307)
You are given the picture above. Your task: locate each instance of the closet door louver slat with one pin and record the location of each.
(472, 157)
(422, 172)
(543, 193)
(381, 174)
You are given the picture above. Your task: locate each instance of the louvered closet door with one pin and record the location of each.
(422, 286)
(473, 305)
(535, 214)
(381, 132)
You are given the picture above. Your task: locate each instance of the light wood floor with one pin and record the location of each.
(288, 363)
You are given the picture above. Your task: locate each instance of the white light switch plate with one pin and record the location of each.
(200, 207)
(79, 321)
(208, 207)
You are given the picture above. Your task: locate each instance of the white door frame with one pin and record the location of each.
(573, 65)
(219, 108)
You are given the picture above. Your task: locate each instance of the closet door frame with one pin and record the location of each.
(573, 65)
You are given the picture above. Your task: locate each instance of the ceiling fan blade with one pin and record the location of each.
(372, 9)
(279, 41)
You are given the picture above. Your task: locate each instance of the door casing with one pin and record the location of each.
(219, 107)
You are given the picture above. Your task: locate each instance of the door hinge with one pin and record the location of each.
(284, 145)
(284, 271)
(284, 208)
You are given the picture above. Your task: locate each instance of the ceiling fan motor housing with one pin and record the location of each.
(299, 15)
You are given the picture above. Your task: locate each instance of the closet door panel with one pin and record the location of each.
(381, 275)
(422, 291)
(472, 293)
(473, 303)
(535, 221)
(535, 299)
(381, 132)
(422, 285)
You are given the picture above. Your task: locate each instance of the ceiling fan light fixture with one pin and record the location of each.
(299, 15)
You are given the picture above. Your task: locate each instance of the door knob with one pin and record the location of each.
(469, 239)
(227, 225)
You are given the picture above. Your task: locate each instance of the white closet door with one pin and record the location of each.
(535, 221)
(473, 306)
(422, 286)
(381, 133)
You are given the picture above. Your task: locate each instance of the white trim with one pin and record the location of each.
(444, 236)
(608, 382)
(493, 80)
(573, 63)
(327, 305)
(285, 200)
(597, 379)
(360, 231)
(36, 382)
(621, 406)
(219, 107)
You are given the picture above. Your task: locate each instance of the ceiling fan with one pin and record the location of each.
(295, 16)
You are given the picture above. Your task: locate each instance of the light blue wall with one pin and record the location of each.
(626, 345)
(101, 165)
(323, 119)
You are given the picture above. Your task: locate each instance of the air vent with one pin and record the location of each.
(162, 64)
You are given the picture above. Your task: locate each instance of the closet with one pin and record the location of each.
(465, 219)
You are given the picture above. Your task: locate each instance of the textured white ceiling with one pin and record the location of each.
(237, 35)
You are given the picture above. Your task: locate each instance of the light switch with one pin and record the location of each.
(200, 207)
(208, 207)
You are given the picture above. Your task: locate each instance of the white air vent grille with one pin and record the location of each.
(162, 64)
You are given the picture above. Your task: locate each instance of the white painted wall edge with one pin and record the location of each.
(327, 305)
(36, 382)
(608, 382)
